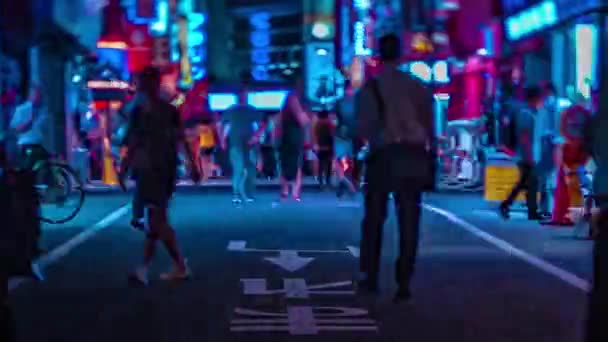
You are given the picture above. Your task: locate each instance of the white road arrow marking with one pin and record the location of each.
(354, 251)
(237, 246)
(241, 247)
(290, 260)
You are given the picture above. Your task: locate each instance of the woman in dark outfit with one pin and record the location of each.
(293, 121)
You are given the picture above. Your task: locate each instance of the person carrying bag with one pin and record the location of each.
(395, 116)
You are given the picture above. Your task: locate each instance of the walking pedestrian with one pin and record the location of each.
(395, 115)
(343, 160)
(242, 127)
(154, 133)
(292, 124)
(323, 139)
(529, 148)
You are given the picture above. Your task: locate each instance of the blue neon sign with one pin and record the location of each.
(531, 20)
(161, 25)
(194, 40)
(260, 42)
(359, 39)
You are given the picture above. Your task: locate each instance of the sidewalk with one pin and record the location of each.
(557, 245)
(98, 186)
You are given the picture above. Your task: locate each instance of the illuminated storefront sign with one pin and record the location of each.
(345, 32)
(359, 38)
(585, 37)
(260, 42)
(160, 26)
(438, 72)
(532, 20)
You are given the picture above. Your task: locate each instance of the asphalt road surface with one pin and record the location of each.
(267, 273)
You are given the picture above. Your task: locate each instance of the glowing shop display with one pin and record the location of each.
(585, 38)
(260, 42)
(267, 100)
(359, 39)
(221, 101)
(531, 20)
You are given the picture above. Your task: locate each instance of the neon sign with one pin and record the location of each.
(260, 41)
(362, 4)
(160, 26)
(532, 20)
(359, 40)
(586, 52)
(189, 47)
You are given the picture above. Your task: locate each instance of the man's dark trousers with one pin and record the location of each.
(528, 180)
(407, 207)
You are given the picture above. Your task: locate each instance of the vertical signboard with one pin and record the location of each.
(320, 72)
(188, 47)
(260, 45)
(345, 35)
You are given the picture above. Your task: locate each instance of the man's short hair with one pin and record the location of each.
(389, 47)
(533, 93)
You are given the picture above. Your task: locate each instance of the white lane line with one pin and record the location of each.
(61, 251)
(533, 260)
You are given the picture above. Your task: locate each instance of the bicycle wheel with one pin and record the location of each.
(61, 192)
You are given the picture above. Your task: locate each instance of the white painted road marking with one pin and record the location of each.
(290, 260)
(61, 251)
(303, 320)
(241, 246)
(533, 260)
(295, 288)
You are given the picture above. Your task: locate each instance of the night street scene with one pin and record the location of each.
(304, 170)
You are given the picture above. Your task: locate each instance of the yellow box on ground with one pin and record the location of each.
(500, 180)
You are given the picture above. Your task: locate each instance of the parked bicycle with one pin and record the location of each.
(61, 192)
(60, 189)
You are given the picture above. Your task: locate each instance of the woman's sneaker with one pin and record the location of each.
(138, 224)
(139, 276)
(176, 274)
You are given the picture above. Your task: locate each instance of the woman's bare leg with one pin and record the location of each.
(297, 186)
(284, 187)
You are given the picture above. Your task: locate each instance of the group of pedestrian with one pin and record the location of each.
(394, 118)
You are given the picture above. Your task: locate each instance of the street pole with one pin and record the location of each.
(2, 118)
